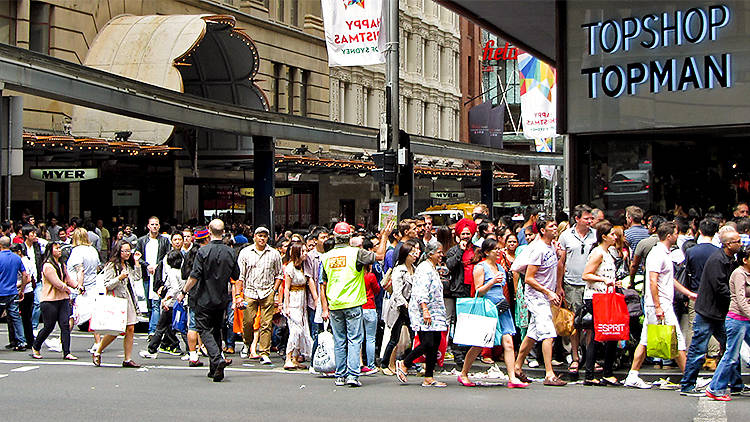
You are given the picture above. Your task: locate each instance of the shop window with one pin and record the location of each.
(294, 13)
(8, 22)
(39, 27)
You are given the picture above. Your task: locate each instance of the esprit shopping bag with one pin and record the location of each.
(476, 323)
(109, 316)
(662, 341)
(611, 317)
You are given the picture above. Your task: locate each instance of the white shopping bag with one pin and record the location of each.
(110, 315)
(325, 360)
(745, 353)
(83, 307)
(475, 330)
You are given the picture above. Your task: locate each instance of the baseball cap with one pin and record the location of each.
(261, 229)
(342, 228)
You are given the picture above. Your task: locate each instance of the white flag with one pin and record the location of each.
(353, 29)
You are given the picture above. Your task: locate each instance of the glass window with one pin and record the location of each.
(39, 27)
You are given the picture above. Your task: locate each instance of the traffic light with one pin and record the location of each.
(385, 167)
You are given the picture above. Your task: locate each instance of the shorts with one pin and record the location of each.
(541, 326)
(191, 319)
(649, 317)
(574, 296)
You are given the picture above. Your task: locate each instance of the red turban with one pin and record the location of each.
(464, 223)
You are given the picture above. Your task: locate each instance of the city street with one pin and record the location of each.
(167, 388)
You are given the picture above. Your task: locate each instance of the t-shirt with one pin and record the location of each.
(634, 235)
(695, 259)
(152, 255)
(29, 270)
(88, 257)
(658, 261)
(373, 288)
(10, 266)
(544, 257)
(577, 252)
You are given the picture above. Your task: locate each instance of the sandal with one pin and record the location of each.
(488, 361)
(290, 368)
(467, 383)
(522, 377)
(573, 368)
(598, 368)
(609, 381)
(400, 373)
(301, 366)
(595, 382)
(435, 383)
(554, 382)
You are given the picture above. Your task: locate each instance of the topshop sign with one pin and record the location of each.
(667, 31)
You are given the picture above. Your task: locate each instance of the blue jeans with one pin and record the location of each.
(703, 329)
(315, 328)
(370, 324)
(727, 371)
(153, 320)
(230, 326)
(14, 317)
(347, 339)
(36, 311)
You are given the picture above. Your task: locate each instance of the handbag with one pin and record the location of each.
(324, 360)
(633, 301)
(563, 320)
(180, 318)
(109, 315)
(662, 341)
(503, 305)
(611, 317)
(386, 283)
(476, 322)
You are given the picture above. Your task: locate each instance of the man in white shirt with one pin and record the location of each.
(153, 249)
(658, 297)
(542, 283)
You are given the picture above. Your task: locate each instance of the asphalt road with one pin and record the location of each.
(55, 390)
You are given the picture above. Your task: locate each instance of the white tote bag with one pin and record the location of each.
(325, 360)
(475, 330)
(109, 316)
(83, 307)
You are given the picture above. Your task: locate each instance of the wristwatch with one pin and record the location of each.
(184, 293)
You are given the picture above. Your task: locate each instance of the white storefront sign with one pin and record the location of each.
(64, 174)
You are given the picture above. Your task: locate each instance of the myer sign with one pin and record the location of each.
(655, 65)
(64, 174)
(447, 195)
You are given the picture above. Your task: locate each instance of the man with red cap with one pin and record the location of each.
(343, 282)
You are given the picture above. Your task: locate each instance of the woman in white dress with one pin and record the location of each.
(295, 307)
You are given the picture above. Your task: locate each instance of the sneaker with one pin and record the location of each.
(20, 348)
(711, 395)
(219, 371)
(694, 392)
(702, 383)
(556, 362)
(353, 382)
(367, 371)
(243, 352)
(666, 384)
(533, 363)
(265, 360)
(312, 371)
(186, 356)
(53, 344)
(195, 364)
(636, 382)
(448, 356)
(94, 348)
(745, 391)
(145, 354)
(340, 381)
(170, 351)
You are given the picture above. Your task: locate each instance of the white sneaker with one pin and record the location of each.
(702, 383)
(94, 348)
(533, 363)
(186, 356)
(265, 360)
(312, 371)
(243, 352)
(636, 382)
(54, 344)
(146, 355)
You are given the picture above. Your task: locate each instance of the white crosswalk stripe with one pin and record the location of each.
(710, 410)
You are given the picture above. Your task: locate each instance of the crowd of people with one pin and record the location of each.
(390, 297)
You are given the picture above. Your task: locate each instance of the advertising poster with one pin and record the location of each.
(388, 212)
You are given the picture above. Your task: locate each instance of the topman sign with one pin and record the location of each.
(663, 31)
(64, 174)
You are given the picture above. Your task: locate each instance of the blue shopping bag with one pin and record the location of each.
(481, 307)
(179, 318)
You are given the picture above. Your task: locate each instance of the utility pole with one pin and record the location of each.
(391, 87)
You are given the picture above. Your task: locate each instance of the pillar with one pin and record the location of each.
(487, 185)
(263, 181)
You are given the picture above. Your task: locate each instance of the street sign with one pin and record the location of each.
(447, 195)
(280, 192)
(64, 174)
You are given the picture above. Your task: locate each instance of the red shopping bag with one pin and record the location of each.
(441, 349)
(611, 317)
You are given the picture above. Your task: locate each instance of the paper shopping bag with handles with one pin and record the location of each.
(481, 312)
(109, 316)
(475, 330)
(611, 317)
(662, 341)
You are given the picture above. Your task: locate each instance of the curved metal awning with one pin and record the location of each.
(202, 55)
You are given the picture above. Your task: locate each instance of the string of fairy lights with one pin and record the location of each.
(70, 143)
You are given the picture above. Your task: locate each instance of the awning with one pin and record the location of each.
(528, 24)
(202, 55)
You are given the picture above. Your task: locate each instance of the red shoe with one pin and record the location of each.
(711, 395)
(466, 384)
(517, 385)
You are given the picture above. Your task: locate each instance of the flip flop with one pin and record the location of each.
(435, 383)
(572, 370)
(290, 368)
(400, 374)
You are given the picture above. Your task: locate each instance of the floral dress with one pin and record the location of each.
(427, 288)
(299, 332)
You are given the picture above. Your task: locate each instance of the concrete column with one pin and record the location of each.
(23, 18)
(431, 60)
(74, 199)
(263, 181)
(418, 54)
(179, 192)
(358, 107)
(333, 105)
(295, 90)
(445, 122)
(487, 185)
(432, 124)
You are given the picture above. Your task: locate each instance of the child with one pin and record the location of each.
(173, 285)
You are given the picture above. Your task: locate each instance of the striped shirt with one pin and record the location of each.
(635, 234)
(259, 270)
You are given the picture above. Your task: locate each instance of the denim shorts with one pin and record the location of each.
(191, 319)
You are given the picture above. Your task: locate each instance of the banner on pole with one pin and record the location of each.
(353, 30)
(538, 97)
(545, 145)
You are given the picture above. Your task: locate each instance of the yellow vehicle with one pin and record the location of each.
(449, 214)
